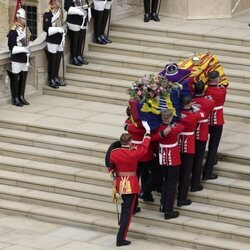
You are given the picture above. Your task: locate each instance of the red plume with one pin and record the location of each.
(18, 6)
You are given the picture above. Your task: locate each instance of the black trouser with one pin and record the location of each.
(200, 147)
(184, 177)
(151, 175)
(126, 215)
(169, 185)
(213, 144)
(154, 5)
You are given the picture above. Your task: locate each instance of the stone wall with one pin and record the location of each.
(4, 20)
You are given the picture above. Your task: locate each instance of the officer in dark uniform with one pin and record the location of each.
(216, 121)
(151, 15)
(77, 19)
(123, 163)
(53, 26)
(18, 43)
(101, 12)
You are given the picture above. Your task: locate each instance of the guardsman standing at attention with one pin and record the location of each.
(53, 26)
(101, 12)
(18, 43)
(123, 162)
(77, 19)
(151, 15)
(201, 134)
(216, 121)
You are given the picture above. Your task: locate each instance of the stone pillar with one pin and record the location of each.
(4, 20)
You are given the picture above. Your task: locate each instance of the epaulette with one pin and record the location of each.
(48, 10)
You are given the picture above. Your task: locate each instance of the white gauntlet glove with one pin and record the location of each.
(146, 126)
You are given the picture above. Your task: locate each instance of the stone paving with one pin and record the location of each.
(21, 233)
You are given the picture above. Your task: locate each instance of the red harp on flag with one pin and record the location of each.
(18, 6)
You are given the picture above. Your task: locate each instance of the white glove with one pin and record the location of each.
(19, 49)
(53, 30)
(146, 126)
(75, 11)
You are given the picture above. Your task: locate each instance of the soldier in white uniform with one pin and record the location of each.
(18, 43)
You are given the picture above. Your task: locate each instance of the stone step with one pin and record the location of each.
(170, 236)
(233, 170)
(111, 84)
(53, 142)
(89, 94)
(147, 217)
(235, 101)
(97, 95)
(83, 190)
(145, 52)
(174, 32)
(222, 49)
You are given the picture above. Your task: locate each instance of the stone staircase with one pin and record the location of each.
(52, 153)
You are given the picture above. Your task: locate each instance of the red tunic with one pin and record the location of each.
(207, 105)
(137, 135)
(187, 137)
(169, 154)
(126, 161)
(218, 93)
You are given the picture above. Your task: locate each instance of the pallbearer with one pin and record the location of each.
(53, 26)
(77, 19)
(18, 43)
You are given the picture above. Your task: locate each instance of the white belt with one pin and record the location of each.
(187, 133)
(203, 121)
(136, 142)
(218, 107)
(168, 145)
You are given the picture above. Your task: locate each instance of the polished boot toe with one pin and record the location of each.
(155, 17)
(99, 40)
(23, 101)
(60, 82)
(16, 102)
(52, 83)
(211, 177)
(147, 18)
(171, 215)
(196, 189)
(75, 62)
(120, 243)
(184, 203)
(106, 39)
(82, 60)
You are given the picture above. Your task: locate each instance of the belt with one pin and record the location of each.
(126, 174)
(203, 121)
(168, 145)
(218, 107)
(136, 142)
(187, 133)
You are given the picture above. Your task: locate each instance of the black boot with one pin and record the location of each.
(14, 78)
(74, 44)
(21, 87)
(80, 47)
(98, 20)
(120, 243)
(52, 82)
(106, 14)
(154, 15)
(59, 82)
(147, 16)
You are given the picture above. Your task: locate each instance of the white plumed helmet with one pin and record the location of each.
(21, 13)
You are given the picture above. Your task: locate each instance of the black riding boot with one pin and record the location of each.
(80, 47)
(59, 82)
(52, 82)
(154, 15)
(147, 15)
(74, 44)
(21, 87)
(106, 14)
(99, 20)
(14, 89)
